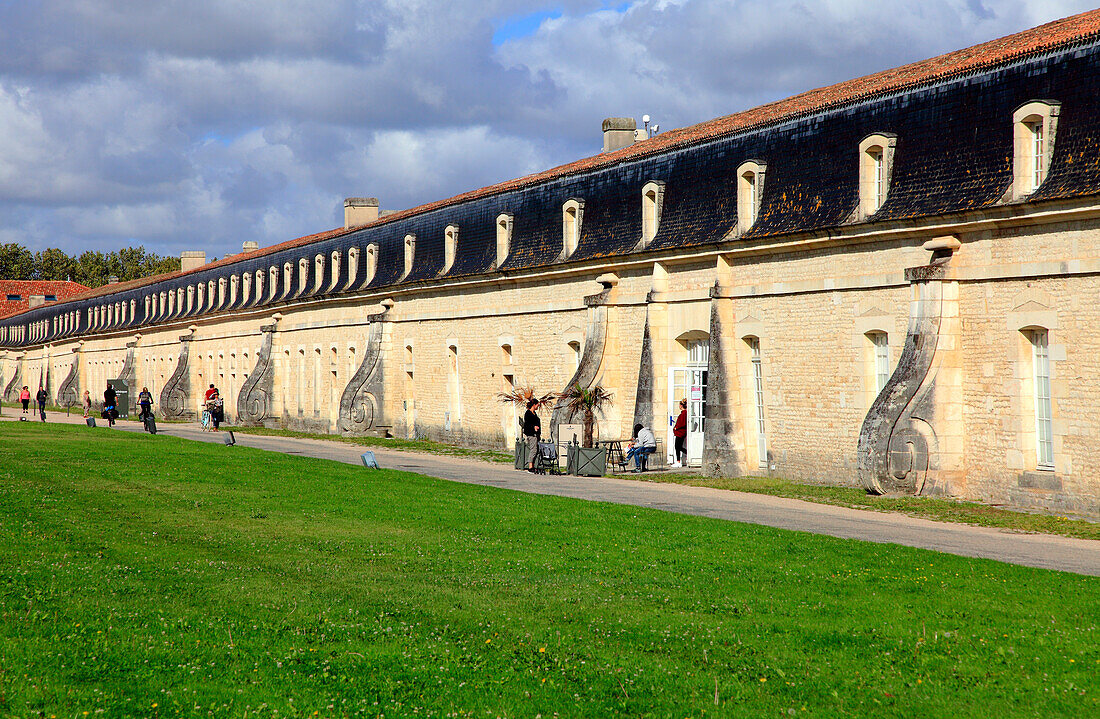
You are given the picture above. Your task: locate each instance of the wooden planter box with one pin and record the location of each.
(587, 461)
(521, 454)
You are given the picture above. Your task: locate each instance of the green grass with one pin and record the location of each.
(151, 576)
(426, 446)
(938, 509)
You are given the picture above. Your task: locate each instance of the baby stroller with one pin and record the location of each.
(547, 460)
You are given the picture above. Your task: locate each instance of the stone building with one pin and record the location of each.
(892, 281)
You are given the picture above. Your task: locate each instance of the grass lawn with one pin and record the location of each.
(406, 445)
(940, 509)
(150, 576)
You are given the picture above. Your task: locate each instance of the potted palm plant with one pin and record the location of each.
(586, 460)
(519, 397)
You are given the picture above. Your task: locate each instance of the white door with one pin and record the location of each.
(688, 383)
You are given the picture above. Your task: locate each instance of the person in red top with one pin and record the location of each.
(210, 394)
(679, 431)
(25, 398)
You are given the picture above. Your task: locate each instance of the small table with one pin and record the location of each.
(615, 456)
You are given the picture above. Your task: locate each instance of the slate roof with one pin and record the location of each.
(951, 114)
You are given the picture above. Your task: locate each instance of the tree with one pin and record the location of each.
(586, 401)
(16, 262)
(52, 264)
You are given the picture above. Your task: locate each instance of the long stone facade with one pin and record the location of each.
(891, 283)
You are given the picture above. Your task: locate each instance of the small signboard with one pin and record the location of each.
(696, 393)
(122, 394)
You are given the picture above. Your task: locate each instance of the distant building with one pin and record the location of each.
(19, 295)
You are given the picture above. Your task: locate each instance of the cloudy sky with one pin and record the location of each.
(199, 124)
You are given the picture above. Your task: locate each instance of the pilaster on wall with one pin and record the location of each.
(176, 400)
(363, 402)
(68, 394)
(912, 439)
(723, 435)
(11, 391)
(595, 349)
(653, 363)
(256, 400)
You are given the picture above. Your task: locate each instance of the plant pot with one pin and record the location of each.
(521, 454)
(587, 461)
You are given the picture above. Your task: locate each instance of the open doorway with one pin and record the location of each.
(689, 381)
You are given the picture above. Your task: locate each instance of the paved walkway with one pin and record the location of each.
(1034, 550)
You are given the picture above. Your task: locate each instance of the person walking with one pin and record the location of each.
(87, 404)
(210, 393)
(532, 430)
(679, 433)
(42, 397)
(25, 398)
(110, 402)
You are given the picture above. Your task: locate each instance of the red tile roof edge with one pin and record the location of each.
(1043, 38)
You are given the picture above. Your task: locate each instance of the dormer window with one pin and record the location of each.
(372, 263)
(653, 195)
(410, 254)
(450, 244)
(750, 188)
(303, 270)
(572, 212)
(353, 265)
(1034, 127)
(504, 237)
(876, 160)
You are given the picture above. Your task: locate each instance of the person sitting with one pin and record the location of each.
(644, 444)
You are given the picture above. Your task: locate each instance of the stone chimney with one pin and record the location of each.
(192, 260)
(359, 211)
(250, 246)
(618, 132)
(36, 301)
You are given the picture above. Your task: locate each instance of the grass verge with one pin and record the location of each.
(937, 509)
(150, 576)
(426, 446)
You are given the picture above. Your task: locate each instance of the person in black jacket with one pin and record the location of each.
(531, 433)
(41, 398)
(110, 405)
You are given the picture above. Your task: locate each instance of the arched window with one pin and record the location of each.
(303, 274)
(653, 195)
(318, 272)
(756, 361)
(1034, 126)
(353, 266)
(750, 189)
(504, 237)
(234, 286)
(410, 254)
(880, 358)
(450, 247)
(334, 265)
(572, 213)
(272, 282)
(876, 160)
(1039, 339)
(372, 263)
